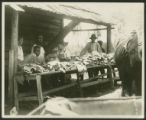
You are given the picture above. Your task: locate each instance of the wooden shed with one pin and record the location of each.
(32, 19)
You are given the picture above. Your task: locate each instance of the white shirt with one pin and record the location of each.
(42, 52)
(32, 58)
(20, 53)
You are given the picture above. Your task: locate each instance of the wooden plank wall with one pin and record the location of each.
(31, 24)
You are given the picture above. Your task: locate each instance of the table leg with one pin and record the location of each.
(39, 89)
(16, 94)
(79, 86)
(110, 77)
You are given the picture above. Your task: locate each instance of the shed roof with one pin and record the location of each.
(65, 11)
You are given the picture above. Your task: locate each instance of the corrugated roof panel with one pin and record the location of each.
(68, 11)
(86, 15)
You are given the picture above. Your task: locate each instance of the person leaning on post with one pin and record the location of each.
(20, 55)
(19, 77)
(20, 62)
(20, 50)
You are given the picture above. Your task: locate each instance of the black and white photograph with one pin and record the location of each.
(72, 60)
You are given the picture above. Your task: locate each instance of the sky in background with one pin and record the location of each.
(132, 13)
(126, 16)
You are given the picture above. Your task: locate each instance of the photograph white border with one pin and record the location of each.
(3, 71)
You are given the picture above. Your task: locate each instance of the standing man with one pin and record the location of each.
(20, 59)
(92, 47)
(101, 45)
(39, 42)
(20, 50)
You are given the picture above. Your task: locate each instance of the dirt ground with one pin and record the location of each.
(103, 91)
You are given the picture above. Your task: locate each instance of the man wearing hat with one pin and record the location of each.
(91, 47)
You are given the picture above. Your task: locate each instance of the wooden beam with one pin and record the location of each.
(94, 83)
(13, 57)
(64, 32)
(59, 89)
(68, 28)
(59, 16)
(62, 25)
(86, 20)
(90, 29)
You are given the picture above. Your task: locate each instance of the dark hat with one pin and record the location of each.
(93, 36)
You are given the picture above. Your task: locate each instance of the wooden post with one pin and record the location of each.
(10, 82)
(62, 26)
(79, 86)
(110, 76)
(90, 29)
(16, 100)
(13, 57)
(39, 89)
(110, 47)
(64, 32)
(108, 39)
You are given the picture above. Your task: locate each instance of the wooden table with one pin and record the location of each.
(79, 83)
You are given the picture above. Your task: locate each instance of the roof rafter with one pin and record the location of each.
(68, 12)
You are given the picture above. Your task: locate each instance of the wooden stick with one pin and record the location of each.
(39, 89)
(94, 82)
(90, 29)
(79, 85)
(59, 88)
